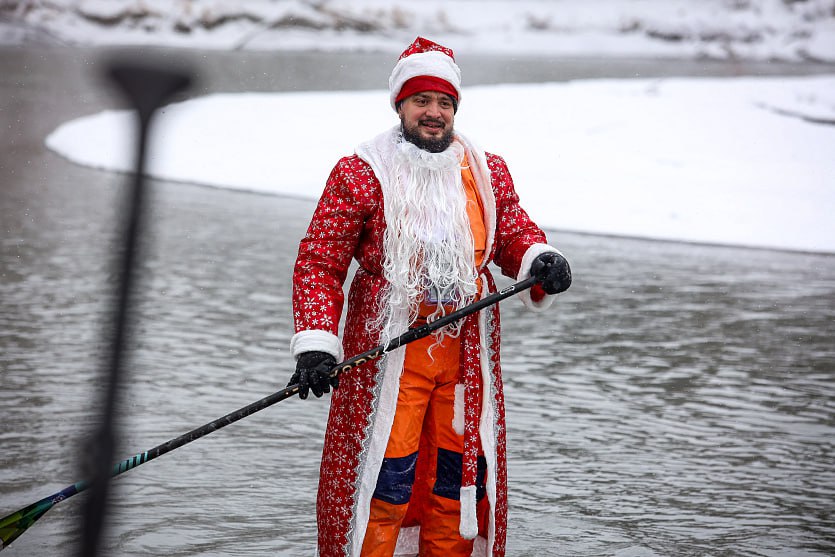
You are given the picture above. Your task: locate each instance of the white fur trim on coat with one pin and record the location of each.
(468, 524)
(315, 340)
(487, 427)
(458, 410)
(525, 271)
(379, 432)
(433, 63)
(377, 153)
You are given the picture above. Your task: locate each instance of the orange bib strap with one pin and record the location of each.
(475, 211)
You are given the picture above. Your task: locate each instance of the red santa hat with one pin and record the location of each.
(425, 66)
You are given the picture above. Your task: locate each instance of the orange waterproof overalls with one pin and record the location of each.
(420, 477)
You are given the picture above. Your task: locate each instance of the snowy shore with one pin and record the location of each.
(743, 161)
(728, 161)
(718, 29)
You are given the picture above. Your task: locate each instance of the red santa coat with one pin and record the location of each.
(348, 224)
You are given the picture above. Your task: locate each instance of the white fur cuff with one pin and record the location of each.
(315, 340)
(525, 271)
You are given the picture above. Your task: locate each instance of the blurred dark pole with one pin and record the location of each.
(146, 87)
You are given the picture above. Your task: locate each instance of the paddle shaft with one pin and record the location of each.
(409, 336)
(20, 520)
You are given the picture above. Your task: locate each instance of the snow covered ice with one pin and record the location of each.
(743, 29)
(744, 161)
(729, 161)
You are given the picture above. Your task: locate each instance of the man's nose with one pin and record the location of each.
(433, 109)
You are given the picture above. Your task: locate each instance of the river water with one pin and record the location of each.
(678, 400)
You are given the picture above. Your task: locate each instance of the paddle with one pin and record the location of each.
(147, 87)
(13, 525)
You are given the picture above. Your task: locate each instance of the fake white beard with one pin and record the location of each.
(428, 241)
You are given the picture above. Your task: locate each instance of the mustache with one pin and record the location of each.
(424, 121)
(432, 145)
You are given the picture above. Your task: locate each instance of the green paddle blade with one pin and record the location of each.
(13, 525)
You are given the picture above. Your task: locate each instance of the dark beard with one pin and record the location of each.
(432, 145)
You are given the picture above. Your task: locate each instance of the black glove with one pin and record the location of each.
(313, 373)
(552, 272)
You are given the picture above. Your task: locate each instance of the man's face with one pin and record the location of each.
(427, 118)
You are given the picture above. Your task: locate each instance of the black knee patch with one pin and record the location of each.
(448, 475)
(394, 484)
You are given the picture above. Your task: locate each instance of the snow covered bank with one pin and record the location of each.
(729, 161)
(735, 29)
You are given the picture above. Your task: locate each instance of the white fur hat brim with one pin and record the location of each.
(433, 63)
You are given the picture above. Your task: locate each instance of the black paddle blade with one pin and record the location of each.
(147, 86)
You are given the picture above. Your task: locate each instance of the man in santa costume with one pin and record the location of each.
(414, 461)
